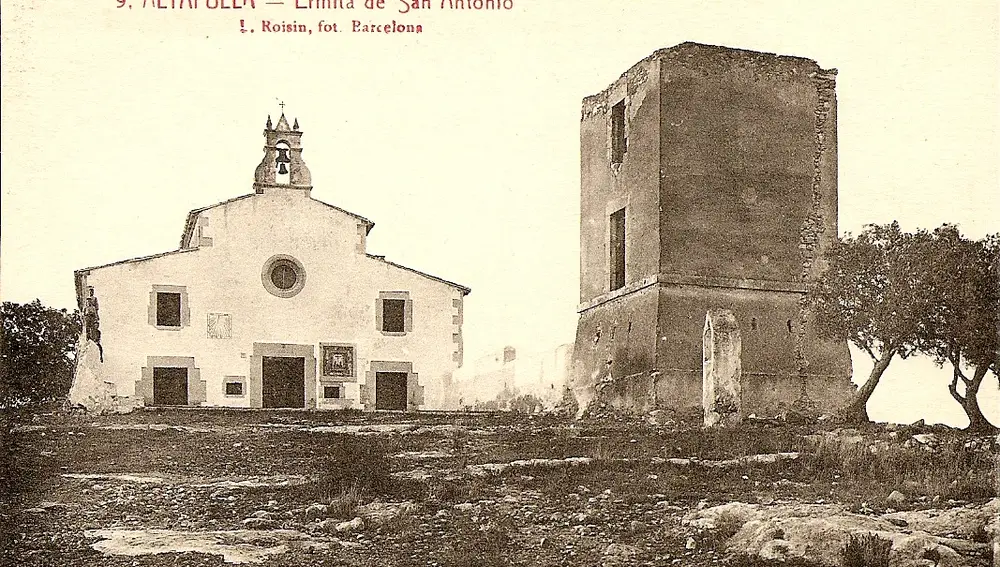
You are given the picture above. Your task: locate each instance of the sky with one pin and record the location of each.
(461, 142)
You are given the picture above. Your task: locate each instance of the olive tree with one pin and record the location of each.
(871, 294)
(962, 322)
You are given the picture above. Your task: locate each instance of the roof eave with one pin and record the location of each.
(465, 290)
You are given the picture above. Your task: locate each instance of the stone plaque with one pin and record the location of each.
(338, 361)
(220, 326)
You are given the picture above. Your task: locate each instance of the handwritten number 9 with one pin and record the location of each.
(121, 3)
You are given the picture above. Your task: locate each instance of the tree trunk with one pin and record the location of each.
(856, 410)
(970, 403)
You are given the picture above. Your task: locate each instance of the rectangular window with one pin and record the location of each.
(394, 315)
(619, 144)
(234, 388)
(168, 309)
(333, 392)
(338, 360)
(617, 249)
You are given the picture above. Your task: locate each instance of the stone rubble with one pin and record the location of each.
(819, 532)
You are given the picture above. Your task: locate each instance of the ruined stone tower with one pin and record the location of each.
(708, 181)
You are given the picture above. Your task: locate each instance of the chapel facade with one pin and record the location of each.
(708, 181)
(270, 301)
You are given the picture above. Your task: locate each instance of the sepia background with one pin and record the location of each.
(461, 143)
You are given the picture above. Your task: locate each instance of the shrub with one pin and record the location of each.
(37, 353)
(948, 472)
(866, 550)
(357, 470)
(344, 505)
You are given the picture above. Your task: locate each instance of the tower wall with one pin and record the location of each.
(633, 184)
(737, 146)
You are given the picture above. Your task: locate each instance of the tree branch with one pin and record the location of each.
(953, 387)
(868, 349)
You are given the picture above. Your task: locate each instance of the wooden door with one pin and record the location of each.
(283, 381)
(170, 386)
(390, 390)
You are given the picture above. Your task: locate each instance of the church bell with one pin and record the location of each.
(282, 160)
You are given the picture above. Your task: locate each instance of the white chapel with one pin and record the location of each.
(271, 301)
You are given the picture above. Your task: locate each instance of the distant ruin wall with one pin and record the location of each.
(512, 380)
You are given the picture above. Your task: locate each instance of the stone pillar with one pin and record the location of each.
(721, 391)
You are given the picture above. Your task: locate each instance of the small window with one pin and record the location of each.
(617, 250)
(333, 392)
(394, 315)
(619, 144)
(234, 388)
(283, 275)
(168, 309)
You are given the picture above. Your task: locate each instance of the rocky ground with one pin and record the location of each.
(343, 488)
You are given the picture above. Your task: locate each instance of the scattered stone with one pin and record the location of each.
(818, 533)
(259, 523)
(350, 526)
(620, 554)
(315, 511)
(379, 513)
(895, 497)
(328, 525)
(659, 417)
